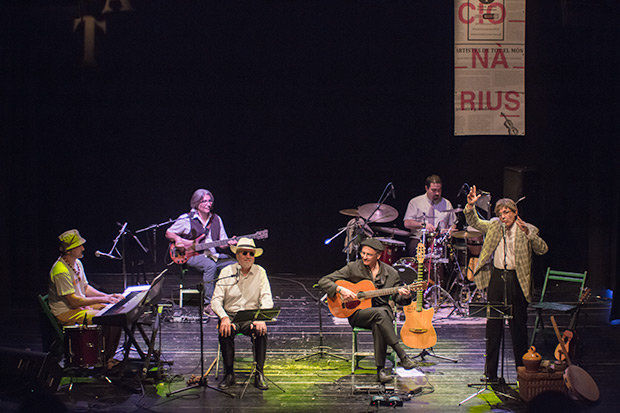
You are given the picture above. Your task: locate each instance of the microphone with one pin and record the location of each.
(99, 254)
(503, 229)
(463, 190)
(393, 191)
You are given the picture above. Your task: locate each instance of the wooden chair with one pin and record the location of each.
(553, 279)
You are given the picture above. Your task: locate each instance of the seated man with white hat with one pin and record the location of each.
(248, 290)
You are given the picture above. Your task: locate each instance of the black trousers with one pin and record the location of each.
(227, 345)
(518, 323)
(380, 321)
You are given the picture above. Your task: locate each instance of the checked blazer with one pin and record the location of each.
(524, 245)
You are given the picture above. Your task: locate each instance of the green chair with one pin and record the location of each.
(357, 355)
(56, 346)
(556, 280)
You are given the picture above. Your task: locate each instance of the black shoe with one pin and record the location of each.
(228, 381)
(383, 376)
(407, 363)
(259, 381)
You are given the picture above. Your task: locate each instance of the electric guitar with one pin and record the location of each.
(365, 291)
(418, 330)
(570, 335)
(181, 255)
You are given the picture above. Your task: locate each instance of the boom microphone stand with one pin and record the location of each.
(504, 313)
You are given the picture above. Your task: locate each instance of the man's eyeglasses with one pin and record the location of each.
(246, 253)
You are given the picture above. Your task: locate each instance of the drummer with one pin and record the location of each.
(429, 211)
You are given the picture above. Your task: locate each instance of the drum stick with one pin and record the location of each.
(557, 334)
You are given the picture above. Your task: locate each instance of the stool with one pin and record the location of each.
(183, 291)
(357, 355)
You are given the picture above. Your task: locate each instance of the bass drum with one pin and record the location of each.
(83, 346)
(408, 273)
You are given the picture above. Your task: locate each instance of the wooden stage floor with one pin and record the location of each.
(314, 384)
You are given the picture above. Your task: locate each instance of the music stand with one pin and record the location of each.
(264, 314)
(490, 311)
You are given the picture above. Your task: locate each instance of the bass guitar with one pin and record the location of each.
(570, 336)
(418, 330)
(181, 255)
(365, 291)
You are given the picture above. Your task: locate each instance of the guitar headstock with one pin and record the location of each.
(261, 234)
(585, 295)
(420, 252)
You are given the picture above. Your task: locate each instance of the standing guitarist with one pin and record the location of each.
(379, 318)
(202, 225)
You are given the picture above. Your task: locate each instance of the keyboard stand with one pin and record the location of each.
(152, 353)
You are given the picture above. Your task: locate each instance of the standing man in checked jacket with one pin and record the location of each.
(509, 243)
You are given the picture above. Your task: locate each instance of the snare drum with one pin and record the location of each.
(393, 250)
(83, 346)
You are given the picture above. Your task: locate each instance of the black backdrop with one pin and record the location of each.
(288, 111)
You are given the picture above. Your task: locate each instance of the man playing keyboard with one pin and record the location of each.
(71, 299)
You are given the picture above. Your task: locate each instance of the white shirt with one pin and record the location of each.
(245, 292)
(498, 259)
(423, 205)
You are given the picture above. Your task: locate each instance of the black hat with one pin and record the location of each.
(373, 243)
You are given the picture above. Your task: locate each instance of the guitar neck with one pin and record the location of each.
(206, 245)
(385, 291)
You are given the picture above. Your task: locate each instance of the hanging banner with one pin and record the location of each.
(489, 67)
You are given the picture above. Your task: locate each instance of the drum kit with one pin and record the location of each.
(446, 253)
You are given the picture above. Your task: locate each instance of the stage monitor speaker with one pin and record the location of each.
(521, 185)
(27, 372)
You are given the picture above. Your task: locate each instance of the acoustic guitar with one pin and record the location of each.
(365, 291)
(418, 330)
(570, 338)
(181, 255)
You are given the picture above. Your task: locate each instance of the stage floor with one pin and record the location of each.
(317, 382)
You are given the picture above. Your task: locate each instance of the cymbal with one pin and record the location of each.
(455, 210)
(351, 212)
(393, 231)
(384, 213)
(466, 234)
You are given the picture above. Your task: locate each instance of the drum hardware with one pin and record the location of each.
(435, 294)
(455, 210)
(393, 231)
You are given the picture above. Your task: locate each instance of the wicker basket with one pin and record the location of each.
(532, 384)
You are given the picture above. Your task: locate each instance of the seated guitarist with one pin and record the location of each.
(202, 225)
(379, 318)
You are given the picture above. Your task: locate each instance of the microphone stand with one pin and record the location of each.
(203, 380)
(154, 227)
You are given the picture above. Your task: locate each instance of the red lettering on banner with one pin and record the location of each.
(461, 13)
(485, 13)
(498, 59)
(484, 100)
